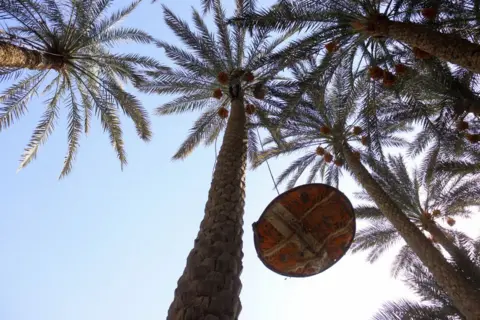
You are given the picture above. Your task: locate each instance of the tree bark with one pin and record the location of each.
(12, 56)
(459, 255)
(209, 288)
(445, 46)
(462, 293)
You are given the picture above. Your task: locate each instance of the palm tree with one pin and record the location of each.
(297, 134)
(62, 47)
(379, 58)
(434, 303)
(444, 101)
(315, 126)
(454, 283)
(426, 199)
(223, 75)
(443, 29)
(409, 78)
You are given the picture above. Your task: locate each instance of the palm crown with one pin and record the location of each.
(339, 27)
(423, 196)
(341, 24)
(205, 71)
(441, 99)
(325, 117)
(88, 76)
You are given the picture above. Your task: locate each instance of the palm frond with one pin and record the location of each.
(16, 97)
(403, 260)
(44, 127)
(369, 213)
(202, 128)
(295, 170)
(405, 309)
(376, 239)
(74, 131)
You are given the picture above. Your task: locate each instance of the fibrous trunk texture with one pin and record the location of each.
(448, 47)
(459, 255)
(463, 294)
(12, 56)
(209, 288)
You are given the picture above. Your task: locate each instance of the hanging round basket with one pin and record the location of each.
(305, 230)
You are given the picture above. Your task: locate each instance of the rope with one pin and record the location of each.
(269, 168)
(216, 156)
(268, 164)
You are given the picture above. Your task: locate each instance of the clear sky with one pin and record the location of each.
(105, 244)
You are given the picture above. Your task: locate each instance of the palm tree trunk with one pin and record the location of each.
(448, 47)
(462, 293)
(210, 285)
(12, 56)
(459, 255)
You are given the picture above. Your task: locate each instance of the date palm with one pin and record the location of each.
(403, 72)
(434, 303)
(305, 128)
(454, 283)
(427, 199)
(62, 49)
(444, 30)
(223, 75)
(334, 24)
(444, 103)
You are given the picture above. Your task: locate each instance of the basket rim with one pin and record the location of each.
(256, 239)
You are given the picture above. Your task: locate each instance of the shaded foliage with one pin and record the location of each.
(426, 92)
(433, 302)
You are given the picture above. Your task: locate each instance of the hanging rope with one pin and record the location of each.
(268, 164)
(216, 156)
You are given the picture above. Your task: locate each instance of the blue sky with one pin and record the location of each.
(105, 244)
